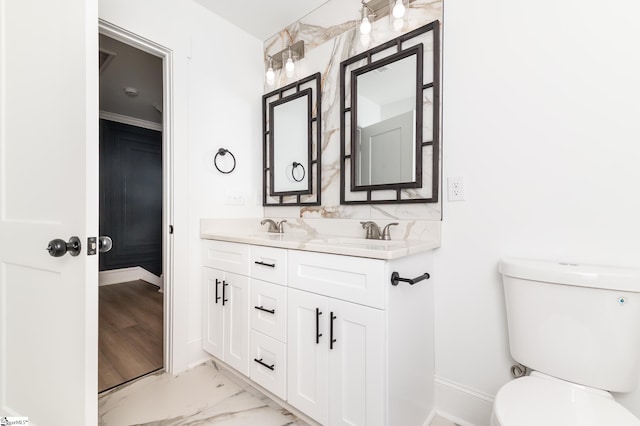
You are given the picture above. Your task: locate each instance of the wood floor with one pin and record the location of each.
(130, 334)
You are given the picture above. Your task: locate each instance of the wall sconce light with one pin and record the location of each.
(285, 59)
(376, 9)
(367, 16)
(271, 74)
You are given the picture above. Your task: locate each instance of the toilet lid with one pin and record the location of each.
(532, 400)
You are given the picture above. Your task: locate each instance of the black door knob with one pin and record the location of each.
(58, 247)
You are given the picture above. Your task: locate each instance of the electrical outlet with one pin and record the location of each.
(455, 188)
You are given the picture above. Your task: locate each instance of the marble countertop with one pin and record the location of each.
(298, 239)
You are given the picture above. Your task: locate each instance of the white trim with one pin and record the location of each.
(124, 119)
(124, 275)
(173, 335)
(461, 404)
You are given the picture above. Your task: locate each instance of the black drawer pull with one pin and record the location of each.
(263, 309)
(270, 265)
(395, 278)
(270, 367)
(318, 334)
(331, 339)
(217, 297)
(224, 286)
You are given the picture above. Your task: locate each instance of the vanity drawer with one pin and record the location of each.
(226, 256)
(269, 264)
(354, 279)
(268, 363)
(269, 309)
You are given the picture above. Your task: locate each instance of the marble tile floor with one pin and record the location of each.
(203, 395)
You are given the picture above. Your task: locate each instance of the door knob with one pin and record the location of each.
(58, 247)
(104, 243)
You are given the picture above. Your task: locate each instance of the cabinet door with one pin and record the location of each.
(308, 354)
(236, 318)
(212, 329)
(356, 365)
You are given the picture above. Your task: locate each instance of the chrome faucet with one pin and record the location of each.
(373, 231)
(273, 226)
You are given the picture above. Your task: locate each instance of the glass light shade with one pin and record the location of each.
(289, 67)
(271, 76)
(398, 9)
(365, 26)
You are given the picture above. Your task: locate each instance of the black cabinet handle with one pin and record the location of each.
(270, 265)
(318, 334)
(263, 309)
(331, 339)
(271, 367)
(217, 297)
(224, 286)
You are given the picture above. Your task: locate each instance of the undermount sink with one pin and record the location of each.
(386, 244)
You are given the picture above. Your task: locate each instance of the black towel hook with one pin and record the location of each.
(223, 152)
(293, 169)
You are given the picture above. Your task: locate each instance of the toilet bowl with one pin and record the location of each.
(577, 328)
(541, 400)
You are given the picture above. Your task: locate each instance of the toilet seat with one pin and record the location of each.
(543, 400)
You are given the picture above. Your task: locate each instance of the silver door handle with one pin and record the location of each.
(104, 243)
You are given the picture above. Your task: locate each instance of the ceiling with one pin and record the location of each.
(130, 67)
(261, 18)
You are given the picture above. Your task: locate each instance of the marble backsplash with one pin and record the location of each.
(331, 36)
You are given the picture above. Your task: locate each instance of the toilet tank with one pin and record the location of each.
(579, 323)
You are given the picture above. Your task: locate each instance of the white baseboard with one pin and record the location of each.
(195, 354)
(461, 404)
(116, 276)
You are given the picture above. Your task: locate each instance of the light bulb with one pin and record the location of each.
(289, 67)
(365, 26)
(398, 9)
(271, 76)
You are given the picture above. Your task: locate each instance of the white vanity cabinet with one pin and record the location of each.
(336, 347)
(360, 349)
(327, 333)
(268, 337)
(336, 357)
(226, 290)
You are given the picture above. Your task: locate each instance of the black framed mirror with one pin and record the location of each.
(291, 119)
(390, 121)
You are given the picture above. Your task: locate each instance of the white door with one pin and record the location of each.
(308, 354)
(213, 327)
(356, 365)
(236, 321)
(48, 190)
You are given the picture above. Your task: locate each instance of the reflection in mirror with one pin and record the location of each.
(291, 144)
(388, 122)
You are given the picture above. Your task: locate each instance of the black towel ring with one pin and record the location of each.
(223, 152)
(293, 169)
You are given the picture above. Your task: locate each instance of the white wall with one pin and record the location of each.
(542, 119)
(217, 87)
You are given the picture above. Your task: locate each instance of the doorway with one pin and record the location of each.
(135, 209)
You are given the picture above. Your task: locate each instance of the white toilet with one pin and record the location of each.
(578, 328)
